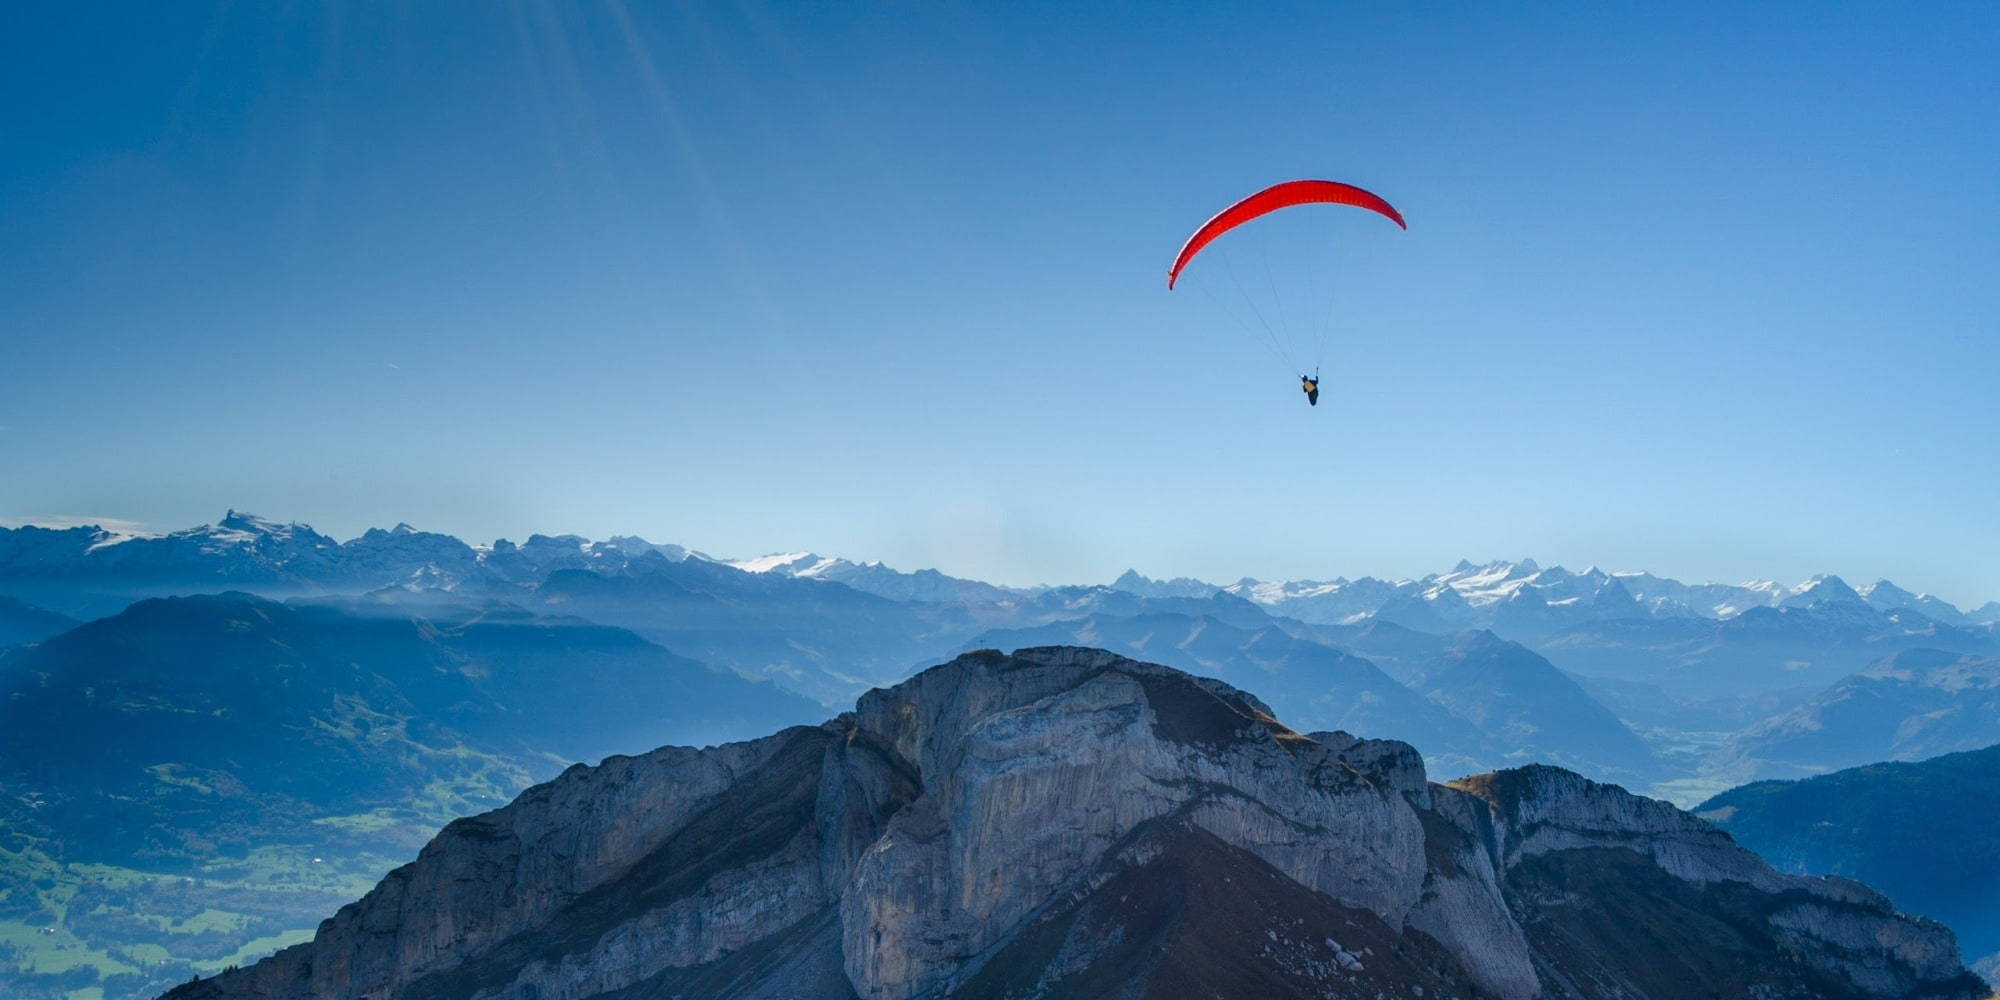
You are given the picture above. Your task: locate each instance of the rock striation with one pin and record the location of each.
(1068, 822)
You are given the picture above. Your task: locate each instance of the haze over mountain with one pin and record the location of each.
(21, 622)
(1473, 702)
(94, 571)
(1531, 596)
(1065, 821)
(1914, 705)
(1315, 685)
(245, 548)
(1685, 666)
(1518, 698)
(926, 585)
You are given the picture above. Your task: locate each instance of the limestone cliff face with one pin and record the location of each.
(1067, 822)
(1830, 924)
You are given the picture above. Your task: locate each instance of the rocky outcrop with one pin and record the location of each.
(1067, 822)
(1550, 824)
(1927, 833)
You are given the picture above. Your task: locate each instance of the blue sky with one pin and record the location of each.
(1703, 289)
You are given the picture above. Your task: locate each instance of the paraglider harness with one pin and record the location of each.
(1310, 383)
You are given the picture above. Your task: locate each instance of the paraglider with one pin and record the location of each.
(1272, 199)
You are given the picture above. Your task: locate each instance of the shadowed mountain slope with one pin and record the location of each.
(1761, 651)
(207, 681)
(820, 638)
(1511, 694)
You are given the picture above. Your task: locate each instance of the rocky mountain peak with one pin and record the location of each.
(1885, 595)
(1066, 821)
(1131, 581)
(1822, 588)
(243, 520)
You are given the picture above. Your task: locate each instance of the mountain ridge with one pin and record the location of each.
(242, 546)
(981, 830)
(1924, 831)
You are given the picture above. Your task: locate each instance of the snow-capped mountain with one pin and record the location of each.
(1821, 588)
(421, 559)
(91, 571)
(925, 585)
(52, 567)
(245, 548)
(1181, 586)
(241, 546)
(1885, 596)
(1528, 596)
(245, 551)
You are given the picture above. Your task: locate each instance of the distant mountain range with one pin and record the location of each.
(1473, 701)
(1522, 597)
(1916, 704)
(1316, 685)
(1511, 597)
(1685, 667)
(1761, 650)
(90, 571)
(927, 585)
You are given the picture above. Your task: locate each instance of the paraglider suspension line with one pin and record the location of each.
(1271, 340)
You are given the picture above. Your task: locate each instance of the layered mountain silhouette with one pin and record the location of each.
(823, 639)
(79, 569)
(1657, 683)
(1523, 598)
(831, 628)
(1759, 651)
(272, 678)
(1473, 702)
(1916, 704)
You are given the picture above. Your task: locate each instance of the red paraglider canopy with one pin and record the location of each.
(1271, 199)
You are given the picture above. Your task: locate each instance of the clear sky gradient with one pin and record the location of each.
(1704, 289)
